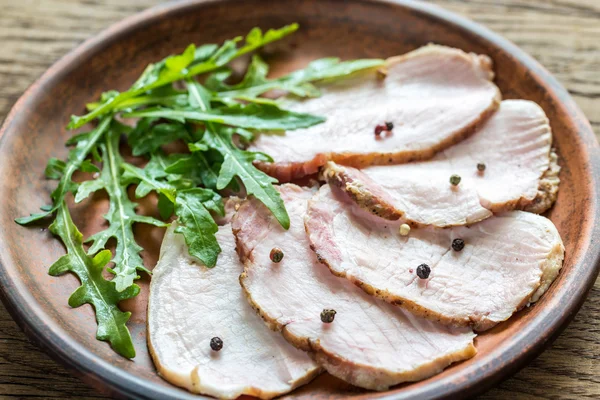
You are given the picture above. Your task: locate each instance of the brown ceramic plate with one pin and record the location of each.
(34, 131)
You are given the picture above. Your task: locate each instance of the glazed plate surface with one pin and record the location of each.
(35, 130)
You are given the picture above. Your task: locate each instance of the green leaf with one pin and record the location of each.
(197, 225)
(75, 160)
(251, 116)
(120, 217)
(87, 166)
(86, 188)
(55, 168)
(165, 206)
(147, 183)
(256, 74)
(216, 81)
(159, 74)
(147, 138)
(238, 162)
(179, 62)
(94, 289)
(197, 146)
(298, 83)
(198, 96)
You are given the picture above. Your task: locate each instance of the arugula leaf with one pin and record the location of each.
(94, 289)
(238, 162)
(165, 207)
(192, 208)
(147, 138)
(55, 168)
(251, 116)
(197, 225)
(180, 68)
(121, 216)
(147, 183)
(75, 161)
(298, 82)
(196, 162)
(165, 96)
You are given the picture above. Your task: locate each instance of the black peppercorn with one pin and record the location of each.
(216, 343)
(480, 167)
(276, 255)
(454, 180)
(458, 244)
(423, 271)
(389, 126)
(327, 315)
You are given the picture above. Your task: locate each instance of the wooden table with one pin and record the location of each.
(564, 35)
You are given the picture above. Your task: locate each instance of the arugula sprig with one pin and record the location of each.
(264, 117)
(190, 63)
(121, 215)
(299, 83)
(94, 289)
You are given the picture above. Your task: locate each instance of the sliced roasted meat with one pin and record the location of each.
(478, 275)
(506, 165)
(434, 97)
(369, 343)
(190, 304)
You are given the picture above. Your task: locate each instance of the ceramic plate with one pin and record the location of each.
(35, 130)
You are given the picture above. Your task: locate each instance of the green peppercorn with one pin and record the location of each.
(276, 255)
(328, 315)
(458, 244)
(454, 180)
(216, 343)
(480, 167)
(423, 271)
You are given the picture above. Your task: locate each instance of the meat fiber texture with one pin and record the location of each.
(435, 96)
(369, 344)
(508, 260)
(521, 172)
(189, 304)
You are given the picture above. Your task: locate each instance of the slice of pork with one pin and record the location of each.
(370, 344)
(507, 261)
(520, 173)
(190, 304)
(435, 96)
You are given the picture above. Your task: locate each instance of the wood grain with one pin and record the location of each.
(564, 35)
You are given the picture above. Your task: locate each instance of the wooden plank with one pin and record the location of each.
(564, 35)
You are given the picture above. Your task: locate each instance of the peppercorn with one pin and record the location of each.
(480, 167)
(404, 229)
(458, 244)
(328, 315)
(423, 271)
(216, 343)
(389, 126)
(379, 129)
(454, 180)
(276, 255)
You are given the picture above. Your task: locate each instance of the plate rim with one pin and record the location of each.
(526, 344)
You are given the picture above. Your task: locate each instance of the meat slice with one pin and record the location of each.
(190, 304)
(435, 96)
(507, 261)
(520, 172)
(370, 344)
